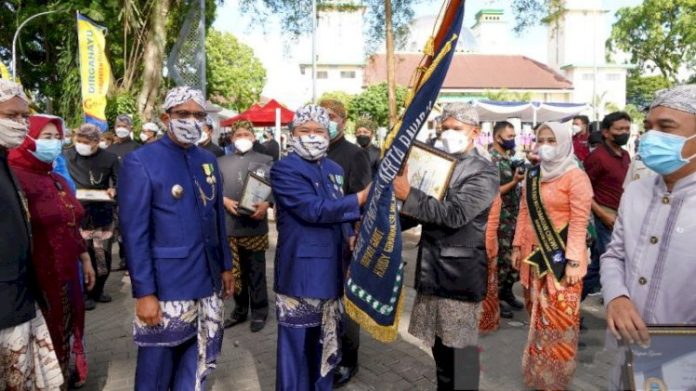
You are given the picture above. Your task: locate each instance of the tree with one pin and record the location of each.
(505, 95)
(529, 13)
(340, 96)
(640, 90)
(235, 76)
(373, 103)
(660, 35)
(48, 56)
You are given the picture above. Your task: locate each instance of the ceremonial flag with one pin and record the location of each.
(95, 72)
(373, 287)
(4, 73)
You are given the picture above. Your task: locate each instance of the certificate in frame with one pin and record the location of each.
(256, 189)
(430, 170)
(669, 363)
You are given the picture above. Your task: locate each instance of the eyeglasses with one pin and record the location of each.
(199, 115)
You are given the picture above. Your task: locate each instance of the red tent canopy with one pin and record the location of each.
(262, 116)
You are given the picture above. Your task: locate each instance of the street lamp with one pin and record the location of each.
(16, 35)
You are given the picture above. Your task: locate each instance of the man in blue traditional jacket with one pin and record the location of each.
(173, 224)
(313, 220)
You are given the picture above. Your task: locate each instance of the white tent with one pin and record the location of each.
(533, 112)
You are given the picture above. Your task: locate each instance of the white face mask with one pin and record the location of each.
(243, 145)
(12, 133)
(576, 129)
(547, 152)
(103, 145)
(122, 132)
(144, 137)
(186, 131)
(455, 141)
(84, 149)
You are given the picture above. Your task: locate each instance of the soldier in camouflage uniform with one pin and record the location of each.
(502, 150)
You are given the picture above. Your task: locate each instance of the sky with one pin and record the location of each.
(276, 53)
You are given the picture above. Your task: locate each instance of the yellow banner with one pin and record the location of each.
(4, 73)
(95, 72)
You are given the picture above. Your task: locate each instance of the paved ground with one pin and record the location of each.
(248, 360)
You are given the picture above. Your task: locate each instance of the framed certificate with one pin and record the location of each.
(93, 196)
(430, 170)
(669, 363)
(256, 189)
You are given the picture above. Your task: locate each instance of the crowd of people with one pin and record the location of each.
(575, 216)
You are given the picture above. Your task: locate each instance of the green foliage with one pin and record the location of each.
(340, 96)
(235, 76)
(660, 35)
(373, 103)
(529, 13)
(508, 96)
(640, 90)
(296, 15)
(123, 102)
(47, 50)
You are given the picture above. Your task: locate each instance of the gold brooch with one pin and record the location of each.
(177, 191)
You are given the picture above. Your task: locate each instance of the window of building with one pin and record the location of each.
(588, 76)
(347, 74)
(613, 77)
(322, 74)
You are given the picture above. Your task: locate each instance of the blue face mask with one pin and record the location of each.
(333, 130)
(662, 152)
(47, 150)
(508, 145)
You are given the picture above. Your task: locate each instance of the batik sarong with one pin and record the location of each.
(182, 321)
(27, 358)
(490, 308)
(548, 361)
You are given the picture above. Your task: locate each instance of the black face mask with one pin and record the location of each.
(621, 139)
(363, 140)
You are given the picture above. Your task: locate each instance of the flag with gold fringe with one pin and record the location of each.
(373, 292)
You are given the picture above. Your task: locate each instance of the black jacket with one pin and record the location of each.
(355, 163)
(17, 285)
(375, 156)
(123, 148)
(452, 252)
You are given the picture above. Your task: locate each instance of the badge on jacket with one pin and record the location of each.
(208, 170)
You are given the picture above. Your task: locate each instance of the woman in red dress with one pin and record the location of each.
(57, 243)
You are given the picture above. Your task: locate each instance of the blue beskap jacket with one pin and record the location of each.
(176, 245)
(310, 211)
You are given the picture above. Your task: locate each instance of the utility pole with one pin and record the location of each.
(391, 77)
(314, 51)
(16, 36)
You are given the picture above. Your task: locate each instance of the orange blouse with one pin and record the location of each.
(492, 228)
(567, 200)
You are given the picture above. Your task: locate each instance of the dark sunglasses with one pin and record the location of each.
(199, 115)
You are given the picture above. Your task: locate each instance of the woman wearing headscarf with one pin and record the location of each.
(312, 215)
(57, 243)
(550, 252)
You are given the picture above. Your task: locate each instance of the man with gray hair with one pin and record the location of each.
(452, 273)
(648, 268)
(27, 357)
(124, 143)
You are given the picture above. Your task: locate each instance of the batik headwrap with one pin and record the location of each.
(10, 89)
(310, 147)
(12, 133)
(183, 94)
(88, 131)
(682, 98)
(462, 112)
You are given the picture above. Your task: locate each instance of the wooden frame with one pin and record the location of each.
(680, 363)
(429, 169)
(256, 189)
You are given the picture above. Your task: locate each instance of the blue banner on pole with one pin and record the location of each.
(375, 278)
